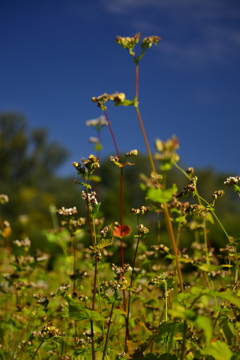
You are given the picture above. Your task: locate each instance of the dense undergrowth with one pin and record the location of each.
(166, 302)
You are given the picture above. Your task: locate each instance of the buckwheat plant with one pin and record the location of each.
(168, 300)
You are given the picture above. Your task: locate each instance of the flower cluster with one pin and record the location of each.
(141, 211)
(3, 199)
(23, 243)
(50, 331)
(128, 42)
(102, 99)
(147, 42)
(190, 188)
(151, 182)
(67, 212)
(91, 197)
(217, 194)
(131, 153)
(232, 180)
(98, 123)
(93, 140)
(142, 229)
(167, 150)
(87, 166)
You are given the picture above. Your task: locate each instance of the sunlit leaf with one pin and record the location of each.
(95, 209)
(219, 350)
(95, 178)
(121, 231)
(161, 195)
(169, 329)
(78, 311)
(226, 295)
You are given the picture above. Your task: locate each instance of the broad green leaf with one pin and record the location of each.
(227, 329)
(77, 311)
(169, 329)
(209, 267)
(199, 321)
(219, 350)
(226, 295)
(161, 195)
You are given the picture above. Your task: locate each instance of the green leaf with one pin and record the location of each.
(219, 350)
(199, 321)
(95, 210)
(125, 103)
(209, 267)
(87, 186)
(166, 166)
(169, 329)
(95, 178)
(77, 311)
(98, 147)
(161, 195)
(167, 356)
(226, 295)
(227, 329)
(102, 244)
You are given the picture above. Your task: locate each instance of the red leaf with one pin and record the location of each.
(121, 231)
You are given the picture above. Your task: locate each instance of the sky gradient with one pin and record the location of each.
(56, 55)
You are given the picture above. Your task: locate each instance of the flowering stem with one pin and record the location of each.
(165, 208)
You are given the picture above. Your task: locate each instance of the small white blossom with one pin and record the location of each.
(232, 180)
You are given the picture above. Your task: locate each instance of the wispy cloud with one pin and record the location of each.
(195, 33)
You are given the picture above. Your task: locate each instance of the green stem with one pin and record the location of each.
(92, 336)
(107, 336)
(129, 295)
(166, 301)
(37, 349)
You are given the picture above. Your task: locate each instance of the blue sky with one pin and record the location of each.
(56, 55)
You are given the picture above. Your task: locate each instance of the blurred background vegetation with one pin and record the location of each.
(28, 175)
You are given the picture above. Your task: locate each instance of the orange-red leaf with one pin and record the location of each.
(121, 231)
